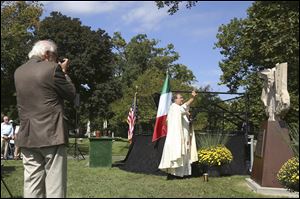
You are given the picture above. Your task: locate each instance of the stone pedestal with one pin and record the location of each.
(272, 151)
(278, 192)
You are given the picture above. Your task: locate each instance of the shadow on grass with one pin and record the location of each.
(6, 170)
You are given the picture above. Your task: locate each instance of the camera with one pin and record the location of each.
(61, 60)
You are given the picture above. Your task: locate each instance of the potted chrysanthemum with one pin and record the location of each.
(213, 154)
(288, 175)
(214, 157)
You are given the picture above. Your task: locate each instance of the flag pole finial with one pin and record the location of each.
(136, 89)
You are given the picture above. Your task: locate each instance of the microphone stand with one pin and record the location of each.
(76, 148)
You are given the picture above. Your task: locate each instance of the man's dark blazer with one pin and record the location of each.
(41, 88)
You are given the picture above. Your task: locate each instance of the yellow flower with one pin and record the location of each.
(288, 175)
(215, 155)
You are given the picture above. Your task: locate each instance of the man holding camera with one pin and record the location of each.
(42, 85)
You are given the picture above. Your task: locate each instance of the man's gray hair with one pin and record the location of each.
(41, 47)
(174, 96)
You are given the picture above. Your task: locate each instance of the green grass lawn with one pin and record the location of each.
(120, 146)
(87, 182)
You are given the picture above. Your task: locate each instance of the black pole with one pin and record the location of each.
(6, 187)
(247, 115)
(209, 92)
(4, 182)
(76, 106)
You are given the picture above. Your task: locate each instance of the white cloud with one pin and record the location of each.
(146, 17)
(138, 16)
(85, 7)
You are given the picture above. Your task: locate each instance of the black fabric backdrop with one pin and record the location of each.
(144, 156)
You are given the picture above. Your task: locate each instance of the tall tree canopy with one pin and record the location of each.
(141, 53)
(19, 19)
(91, 56)
(141, 63)
(269, 35)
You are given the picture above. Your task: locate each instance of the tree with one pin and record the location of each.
(149, 85)
(140, 63)
(174, 5)
(91, 56)
(269, 35)
(141, 53)
(19, 19)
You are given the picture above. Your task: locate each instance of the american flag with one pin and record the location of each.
(131, 119)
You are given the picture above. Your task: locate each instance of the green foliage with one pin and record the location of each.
(211, 140)
(294, 134)
(97, 124)
(19, 19)
(149, 84)
(174, 5)
(140, 54)
(141, 67)
(212, 114)
(288, 174)
(91, 56)
(269, 35)
(180, 72)
(119, 147)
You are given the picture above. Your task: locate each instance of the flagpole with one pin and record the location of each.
(135, 94)
(208, 92)
(135, 102)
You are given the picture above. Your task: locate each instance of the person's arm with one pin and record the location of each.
(63, 82)
(11, 133)
(194, 94)
(1, 128)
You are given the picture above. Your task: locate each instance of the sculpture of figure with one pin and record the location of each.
(282, 96)
(275, 96)
(268, 92)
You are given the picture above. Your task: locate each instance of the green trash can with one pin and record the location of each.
(101, 152)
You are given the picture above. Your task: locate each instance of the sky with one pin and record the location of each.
(192, 31)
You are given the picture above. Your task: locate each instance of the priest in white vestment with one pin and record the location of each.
(180, 145)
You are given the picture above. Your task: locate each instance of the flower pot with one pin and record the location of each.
(214, 171)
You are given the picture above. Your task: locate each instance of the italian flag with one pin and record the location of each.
(165, 100)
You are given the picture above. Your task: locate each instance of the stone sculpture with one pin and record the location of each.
(275, 96)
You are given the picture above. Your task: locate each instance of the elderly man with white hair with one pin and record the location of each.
(42, 85)
(6, 131)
